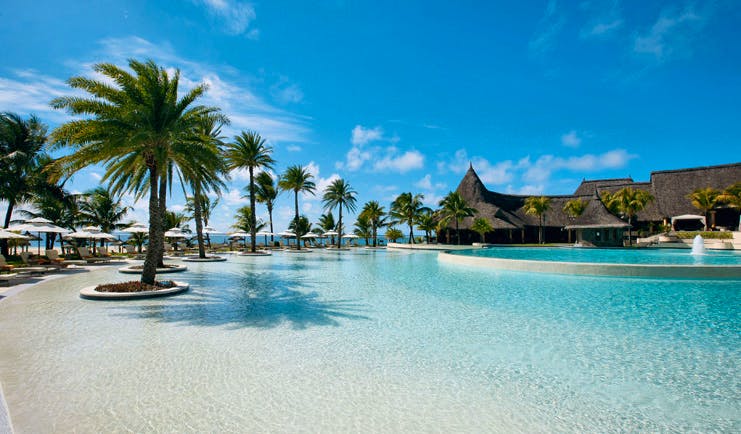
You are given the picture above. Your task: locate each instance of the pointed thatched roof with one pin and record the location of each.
(504, 211)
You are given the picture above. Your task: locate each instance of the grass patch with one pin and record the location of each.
(708, 235)
(135, 286)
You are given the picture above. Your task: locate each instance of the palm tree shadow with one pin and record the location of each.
(259, 300)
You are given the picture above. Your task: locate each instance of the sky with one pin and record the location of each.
(402, 96)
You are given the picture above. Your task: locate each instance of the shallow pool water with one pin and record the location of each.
(613, 256)
(375, 341)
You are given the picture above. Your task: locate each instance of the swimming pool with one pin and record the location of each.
(378, 341)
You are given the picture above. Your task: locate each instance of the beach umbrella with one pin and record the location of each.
(266, 235)
(136, 228)
(40, 225)
(288, 234)
(208, 230)
(240, 234)
(7, 235)
(331, 234)
(175, 233)
(350, 237)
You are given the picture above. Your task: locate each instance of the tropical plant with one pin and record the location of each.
(326, 223)
(340, 195)
(298, 180)
(21, 147)
(363, 228)
(266, 192)
(56, 205)
(705, 199)
(99, 208)
(575, 208)
(427, 223)
(441, 225)
(301, 226)
(376, 216)
(393, 234)
(731, 196)
(628, 202)
(608, 199)
(137, 126)
(482, 225)
(406, 209)
(537, 206)
(174, 219)
(455, 206)
(245, 221)
(138, 239)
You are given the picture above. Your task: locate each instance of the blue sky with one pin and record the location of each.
(400, 96)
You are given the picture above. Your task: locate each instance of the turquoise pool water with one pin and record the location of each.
(614, 256)
(380, 342)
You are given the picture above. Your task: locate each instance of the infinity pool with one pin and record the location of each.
(612, 256)
(375, 341)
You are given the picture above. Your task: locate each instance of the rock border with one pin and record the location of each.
(206, 259)
(89, 293)
(173, 268)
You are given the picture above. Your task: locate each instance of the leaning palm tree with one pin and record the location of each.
(426, 222)
(537, 206)
(406, 209)
(249, 151)
(629, 202)
(21, 147)
(455, 206)
(141, 130)
(266, 192)
(340, 195)
(705, 199)
(376, 216)
(298, 180)
(575, 208)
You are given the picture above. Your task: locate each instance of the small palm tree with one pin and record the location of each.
(376, 216)
(442, 222)
(249, 151)
(326, 223)
(298, 180)
(454, 206)
(731, 196)
(340, 195)
(302, 226)
(629, 202)
(482, 226)
(426, 222)
(393, 234)
(705, 199)
(538, 206)
(99, 208)
(575, 208)
(266, 192)
(406, 209)
(244, 221)
(363, 228)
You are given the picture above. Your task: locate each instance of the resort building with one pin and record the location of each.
(596, 225)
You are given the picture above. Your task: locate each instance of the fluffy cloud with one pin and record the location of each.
(571, 139)
(672, 33)
(606, 18)
(426, 183)
(362, 136)
(234, 17)
(394, 161)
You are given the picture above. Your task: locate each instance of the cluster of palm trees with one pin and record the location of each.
(709, 199)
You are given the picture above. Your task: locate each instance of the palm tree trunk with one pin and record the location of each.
(339, 225)
(199, 222)
(375, 235)
(8, 214)
(155, 222)
(411, 232)
(253, 218)
(540, 230)
(630, 231)
(163, 212)
(270, 216)
(295, 202)
(457, 232)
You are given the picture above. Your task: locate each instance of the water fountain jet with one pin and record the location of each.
(698, 246)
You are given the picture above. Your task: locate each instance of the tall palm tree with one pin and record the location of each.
(629, 202)
(406, 209)
(537, 206)
(441, 225)
(376, 216)
(575, 208)
(99, 208)
(340, 195)
(326, 223)
(266, 192)
(298, 180)
(426, 222)
(482, 226)
(455, 206)
(21, 147)
(141, 130)
(249, 151)
(705, 199)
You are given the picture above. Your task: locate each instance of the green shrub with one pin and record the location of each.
(687, 235)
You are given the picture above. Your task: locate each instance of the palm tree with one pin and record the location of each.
(363, 228)
(298, 180)
(482, 226)
(340, 195)
(393, 234)
(375, 214)
(538, 206)
(21, 146)
(245, 220)
(705, 199)
(266, 192)
(300, 225)
(441, 224)
(731, 196)
(326, 223)
(406, 209)
(249, 151)
(454, 206)
(174, 219)
(426, 222)
(575, 208)
(56, 205)
(629, 202)
(99, 208)
(141, 131)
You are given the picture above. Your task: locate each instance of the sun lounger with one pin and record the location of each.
(32, 262)
(7, 278)
(27, 270)
(90, 259)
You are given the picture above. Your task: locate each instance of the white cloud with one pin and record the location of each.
(362, 136)
(234, 16)
(426, 183)
(606, 18)
(235, 197)
(672, 33)
(355, 159)
(293, 148)
(402, 163)
(286, 92)
(571, 139)
(96, 176)
(548, 29)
